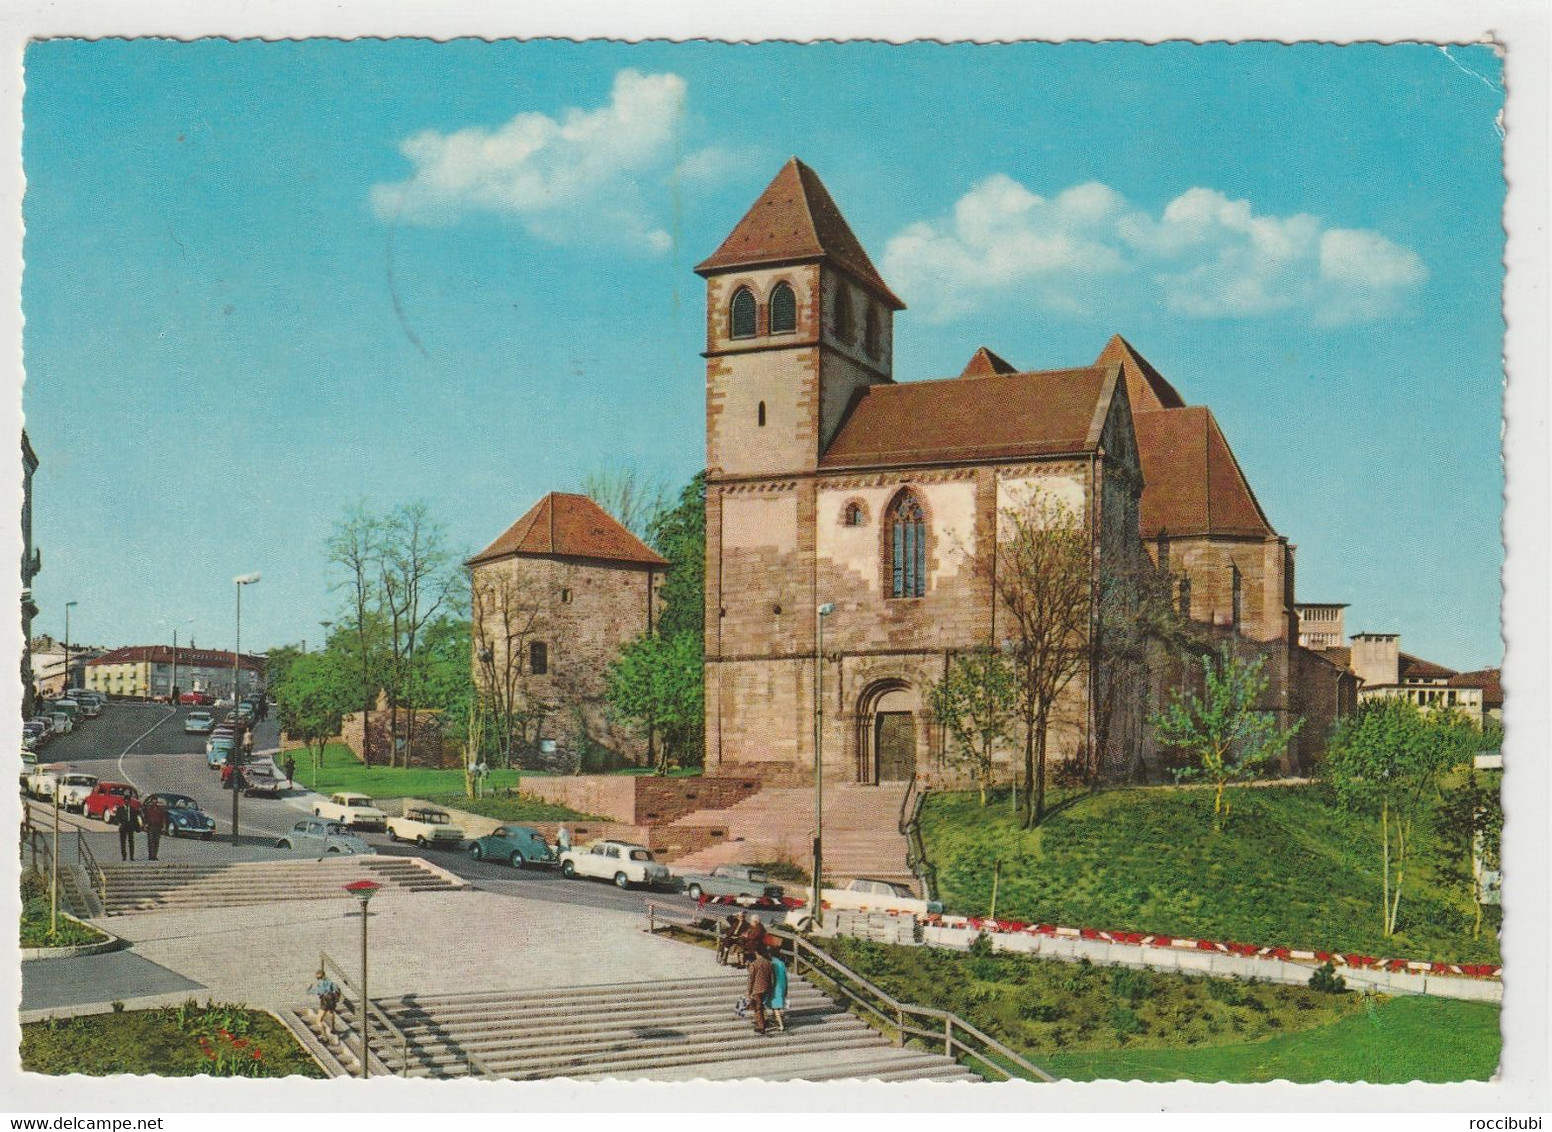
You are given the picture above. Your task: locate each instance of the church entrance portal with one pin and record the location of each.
(887, 748)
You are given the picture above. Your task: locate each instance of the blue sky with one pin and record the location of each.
(264, 281)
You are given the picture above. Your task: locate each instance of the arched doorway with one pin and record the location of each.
(887, 733)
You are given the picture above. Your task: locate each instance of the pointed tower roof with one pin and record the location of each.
(569, 526)
(795, 220)
(1145, 386)
(984, 363)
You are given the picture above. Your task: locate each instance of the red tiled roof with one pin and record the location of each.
(1488, 679)
(187, 657)
(984, 363)
(1146, 388)
(1191, 482)
(1416, 668)
(1339, 657)
(1057, 412)
(796, 219)
(570, 526)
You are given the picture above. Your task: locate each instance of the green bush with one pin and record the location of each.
(1327, 981)
(1124, 1020)
(1131, 985)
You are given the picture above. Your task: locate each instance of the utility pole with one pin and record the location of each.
(66, 690)
(817, 913)
(235, 758)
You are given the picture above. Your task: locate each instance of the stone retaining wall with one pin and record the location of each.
(667, 843)
(641, 799)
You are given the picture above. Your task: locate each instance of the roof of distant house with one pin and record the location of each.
(1416, 668)
(564, 525)
(796, 220)
(187, 658)
(1014, 416)
(1488, 679)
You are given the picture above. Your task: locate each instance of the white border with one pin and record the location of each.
(1520, 26)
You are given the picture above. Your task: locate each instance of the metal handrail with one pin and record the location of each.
(888, 1009)
(94, 873)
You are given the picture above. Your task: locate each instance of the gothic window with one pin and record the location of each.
(1185, 596)
(1238, 596)
(784, 310)
(908, 548)
(744, 315)
(1163, 550)
(760, 414)
(538, 658)
(845, 330)
(871, 334)
(854, 515)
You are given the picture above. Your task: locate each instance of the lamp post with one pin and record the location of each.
(54, 868)
(172, 687)
(817, 913)
(66, 689)
(235, 756)
(364, 890)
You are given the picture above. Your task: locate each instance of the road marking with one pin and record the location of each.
(124, 774)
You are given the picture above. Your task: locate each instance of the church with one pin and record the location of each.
(829, 484)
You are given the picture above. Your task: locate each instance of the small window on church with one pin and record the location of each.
(538, 658)
(908, 548)
(744, 317)
(760, 414)
(1185, 596)
(855, 515)
(872, 336)
(784, 310)
(565, 597)
(1238, 596)
(845, 330)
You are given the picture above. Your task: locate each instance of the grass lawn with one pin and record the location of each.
(1086, 1022)
(1289, 869)
(505, 807)
(341, 770)
(35, 919)
(175, 1041)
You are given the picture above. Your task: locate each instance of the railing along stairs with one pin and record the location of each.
(899, 1021)
(915, 848)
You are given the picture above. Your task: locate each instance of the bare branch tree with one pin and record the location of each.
(505, 602)
(413, 567)
(353, 546)
(632, 497)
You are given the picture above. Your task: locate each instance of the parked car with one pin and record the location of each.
(86, 706)
(732, 880)
(427, 827)
(198, 723)
(107, 798)
(35, 733)
(865, 894)
(43, 781)
(66, 705)
(73, 788)
(517, 845)
(184, 817)
(62, 722)
(316, 835)
(619, 861)
(353, 810)
(261, 780)
(198, 699)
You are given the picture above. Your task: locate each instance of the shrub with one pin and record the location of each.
(1040, 1011)
(1124, 1020)
(1326, 980)
(1226, 991)
(1130, 985)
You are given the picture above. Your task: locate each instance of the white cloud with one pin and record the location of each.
(1203, 256)
(569, 177)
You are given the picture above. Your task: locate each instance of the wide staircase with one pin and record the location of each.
(861, 831)
(680, 1032)
(183, 885)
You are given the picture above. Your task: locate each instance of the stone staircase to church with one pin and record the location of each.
(684, 1031)
(861, 831)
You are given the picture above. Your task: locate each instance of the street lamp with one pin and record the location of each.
(66, 689)
(172, 687)
(364, 890)
(234, 757)
(818, 908)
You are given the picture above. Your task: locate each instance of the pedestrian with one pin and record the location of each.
(760, 981)
(328, 993)
(728, 939)
(155, 820)
(736, 926)
(247, 744)
(562, 841)
(778, 996)
(752, 935)
(290, 771)
(127, 818)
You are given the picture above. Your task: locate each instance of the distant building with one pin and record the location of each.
(554, 600)
(1321, 624)
(1386, 671)
(152, 671)
(32, 563)
(48, 665)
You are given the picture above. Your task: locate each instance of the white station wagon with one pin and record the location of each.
(620, 861)
(426, 826)
(353, 810)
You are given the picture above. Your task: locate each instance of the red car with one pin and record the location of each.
(107, 797)
(199, 699)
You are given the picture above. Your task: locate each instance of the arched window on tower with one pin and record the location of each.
(907, 547)
(744, 318)
(845, 328)
(872, 335)
(784, 310)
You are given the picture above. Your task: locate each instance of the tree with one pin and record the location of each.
(1389, 756)
(632, 497)
(412, 562)
(1134, 612)
(1230, 737)
(678, 533)
(353, 546)
(1041, 573)
(658, 684)
(977, 700)
(505, 601)
(312, 699)
(1468, 825)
